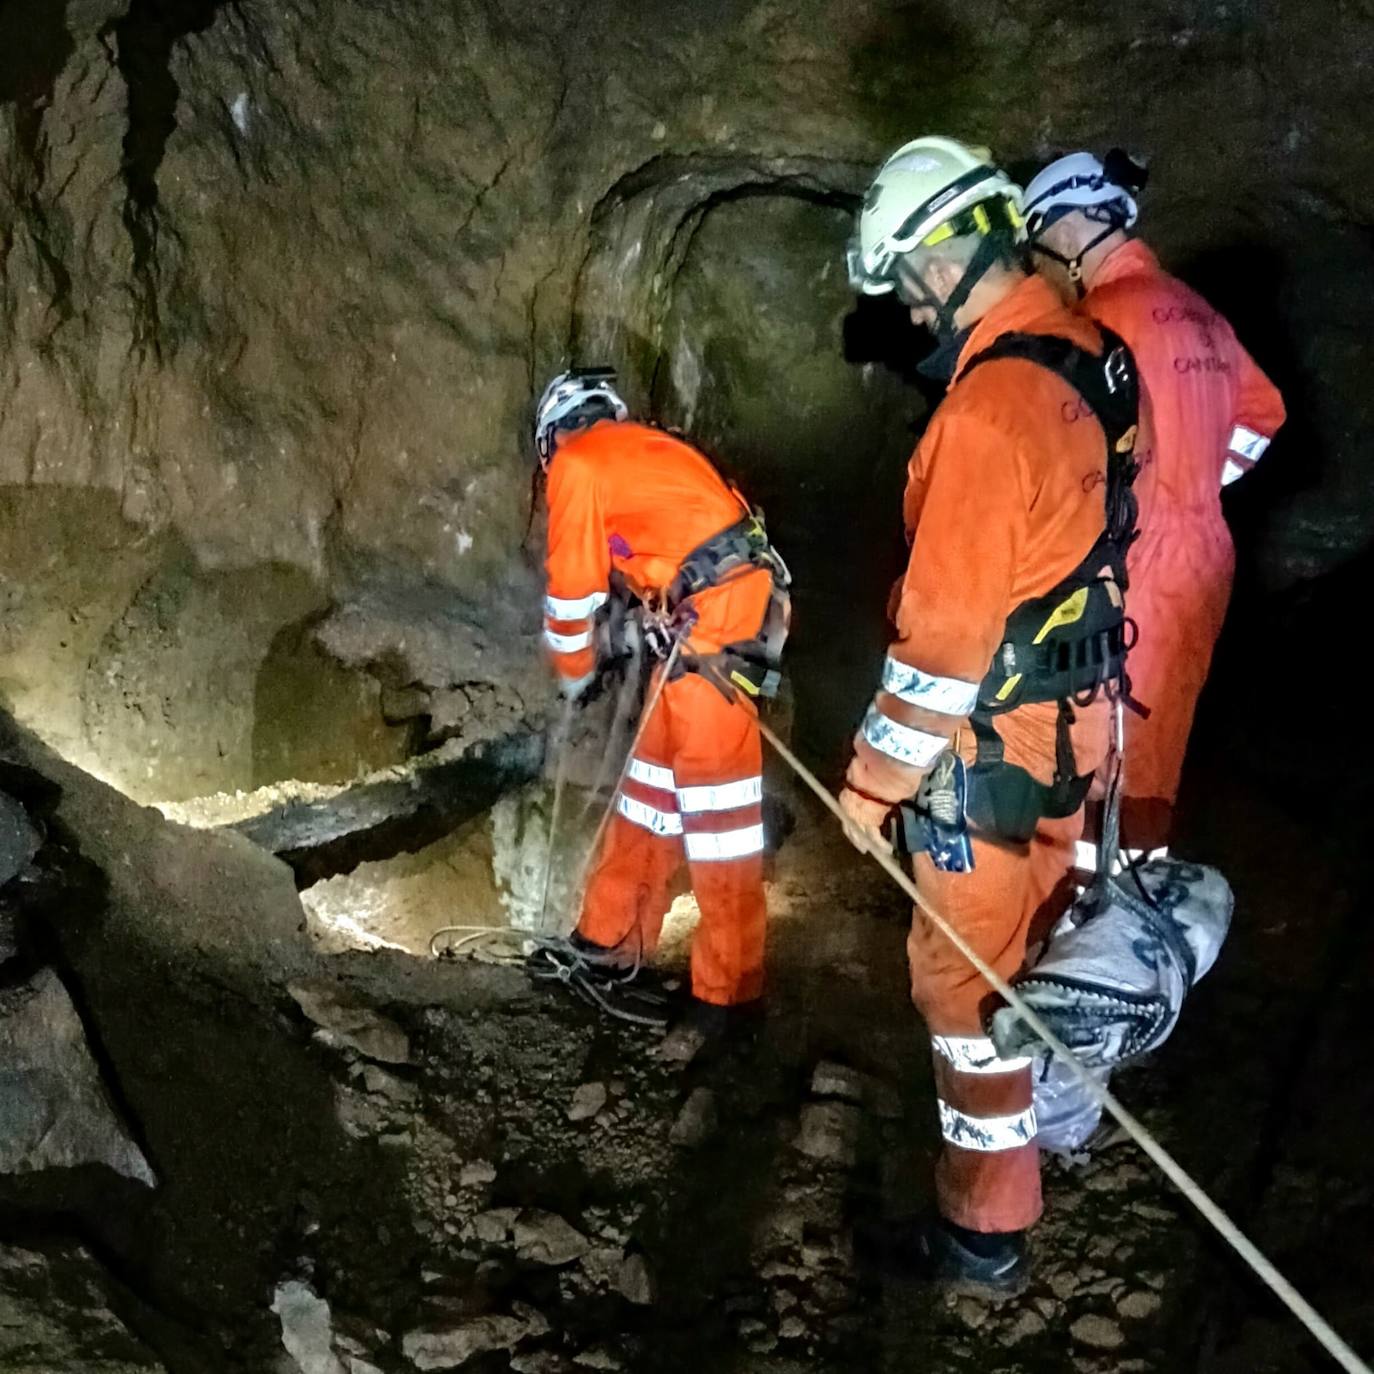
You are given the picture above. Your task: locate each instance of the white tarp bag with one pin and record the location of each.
(1111, 980)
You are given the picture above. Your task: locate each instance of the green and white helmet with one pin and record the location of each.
(928, 190)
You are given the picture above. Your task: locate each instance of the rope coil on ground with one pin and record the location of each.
(1172, 1170)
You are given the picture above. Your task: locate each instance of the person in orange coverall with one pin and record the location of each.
(1006, 509)
(1213, 413)
(636, 505)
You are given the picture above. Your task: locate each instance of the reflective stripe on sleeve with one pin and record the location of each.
(1247, 443)
(1230, 470)
(916, 748)
(975, 1054)
(949, 695)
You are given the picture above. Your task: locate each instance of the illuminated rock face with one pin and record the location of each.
(277, 280)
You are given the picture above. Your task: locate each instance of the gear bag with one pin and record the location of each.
(1113, 975)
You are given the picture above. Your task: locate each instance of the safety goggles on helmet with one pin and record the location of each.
(576, 397)
(980, 201)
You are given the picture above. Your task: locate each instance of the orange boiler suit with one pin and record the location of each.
(1213, 413)
(634, 499)
(1004, 499)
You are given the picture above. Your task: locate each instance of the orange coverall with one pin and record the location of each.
(629, 497)
(1005, 497)
(1213, 414)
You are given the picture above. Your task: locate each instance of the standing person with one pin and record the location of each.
(637, 512)
(1213, 414)
(1008, 626)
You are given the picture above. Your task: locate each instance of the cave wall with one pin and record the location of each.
(277, 279)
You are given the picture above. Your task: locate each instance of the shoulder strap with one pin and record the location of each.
(1107, 381)
(1110, 384)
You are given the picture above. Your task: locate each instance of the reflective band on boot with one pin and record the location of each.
(725, 844)
(986, 1133)
(660, 822)
(975, 1054)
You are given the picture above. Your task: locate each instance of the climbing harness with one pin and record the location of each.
(1262, 1267)
(1070, 644)
(752, 666)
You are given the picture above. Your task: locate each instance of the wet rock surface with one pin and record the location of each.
(56, 1318)
(55, 1112)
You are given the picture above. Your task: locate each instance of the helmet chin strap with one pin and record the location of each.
(948, 336)
(1074, 265)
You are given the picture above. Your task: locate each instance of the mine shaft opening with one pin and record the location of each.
(799, 395)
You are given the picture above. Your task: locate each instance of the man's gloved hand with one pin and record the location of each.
(577, 689)
(864, 818)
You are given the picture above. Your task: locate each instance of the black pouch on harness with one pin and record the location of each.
(1005, 801)
(1070, 644)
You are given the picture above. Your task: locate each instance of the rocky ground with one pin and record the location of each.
(372, 1162)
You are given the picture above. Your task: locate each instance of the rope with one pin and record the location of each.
(567, 964)
(1172, 1170)
(664, 673)
(560, 746)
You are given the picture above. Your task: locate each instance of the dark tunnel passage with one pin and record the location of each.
(768, 364)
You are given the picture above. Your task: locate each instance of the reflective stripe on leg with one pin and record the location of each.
(650, 817)
(975, 1054)
(987, 1134)
(723, 796)
(650, 774)
(714, 846)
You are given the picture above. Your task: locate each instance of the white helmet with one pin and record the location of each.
(1080, 182)
(578, 396)
(926, 184)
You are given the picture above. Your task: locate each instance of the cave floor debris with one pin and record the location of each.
(420, 1165)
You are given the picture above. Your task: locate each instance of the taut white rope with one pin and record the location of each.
(1168, 1165)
